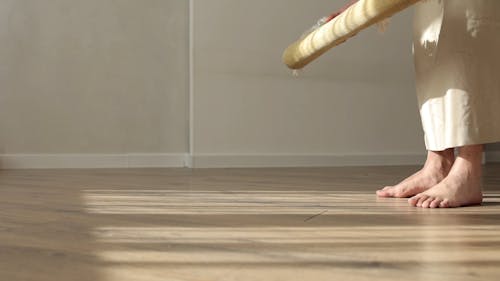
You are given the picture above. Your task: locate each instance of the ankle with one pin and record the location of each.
(469, 163)
(441, 161)
(472, 154)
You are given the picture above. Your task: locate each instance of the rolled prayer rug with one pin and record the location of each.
(339, 27)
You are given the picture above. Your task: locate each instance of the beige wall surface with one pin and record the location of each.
(93, 76)
(357, 99)
(111, 77)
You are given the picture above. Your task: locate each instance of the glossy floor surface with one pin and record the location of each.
(238, 224)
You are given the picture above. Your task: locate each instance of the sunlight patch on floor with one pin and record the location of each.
(203, 202)
(299, 235)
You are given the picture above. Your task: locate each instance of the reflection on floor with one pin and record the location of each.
(203, 202)
(238, 224)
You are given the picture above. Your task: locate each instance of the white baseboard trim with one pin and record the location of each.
(84, 161)
(306, 160)
(492, 157)
(138, 160)
(91, 161)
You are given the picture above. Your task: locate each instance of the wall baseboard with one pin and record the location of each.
(90, 161)
(84, 161)
(301, 160)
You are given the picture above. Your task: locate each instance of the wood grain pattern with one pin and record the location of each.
(238, 224)
(357, 17)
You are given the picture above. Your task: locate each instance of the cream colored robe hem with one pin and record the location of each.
(457, 63)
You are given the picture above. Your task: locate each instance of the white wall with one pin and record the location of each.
(104, 83)
(93, 77)
(355, 105)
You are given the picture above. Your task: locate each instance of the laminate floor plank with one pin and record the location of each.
(238, 224)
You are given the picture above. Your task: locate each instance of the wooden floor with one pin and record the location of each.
(238, 224)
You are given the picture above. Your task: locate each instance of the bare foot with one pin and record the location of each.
(462, 186)
(436, 168)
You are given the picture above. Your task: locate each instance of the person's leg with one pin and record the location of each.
(426, 27)
(436, 168)
(462, 186)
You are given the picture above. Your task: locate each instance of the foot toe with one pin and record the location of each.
(427, 202)
(414, 200)
(435, 203)
(404, 192)
(444, 204)
(382, 193)
(422, 200)
(386, 192)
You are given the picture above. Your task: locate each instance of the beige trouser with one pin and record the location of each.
(457, 63)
